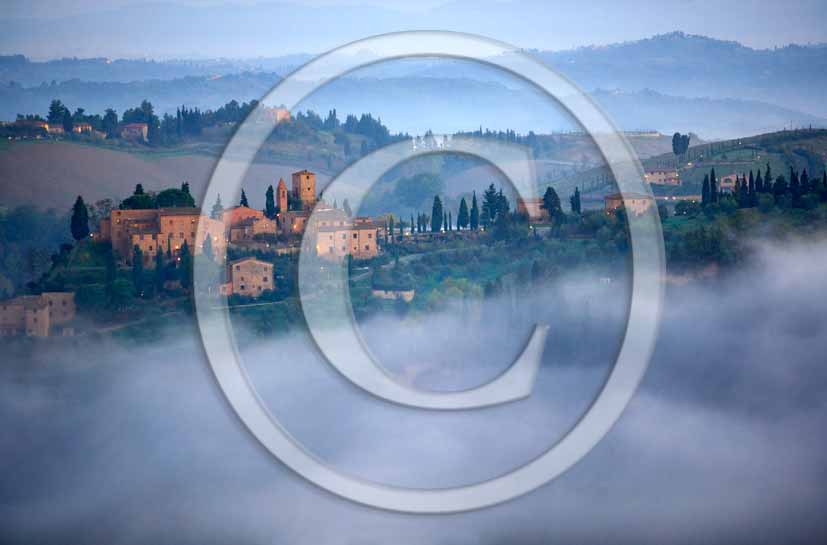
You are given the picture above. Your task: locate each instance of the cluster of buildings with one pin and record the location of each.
(45, 315)
(165, 230)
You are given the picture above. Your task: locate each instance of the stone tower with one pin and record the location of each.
(304, 188)
(281, 196)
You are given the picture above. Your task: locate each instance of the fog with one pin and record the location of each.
(723, 442)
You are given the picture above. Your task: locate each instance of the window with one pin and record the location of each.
(370, 235)
(243, 287)
(355, 235)
(238, 267)
(344, 236)
(367, 247)
(264, 278)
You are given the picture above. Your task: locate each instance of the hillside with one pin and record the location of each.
(52, 174)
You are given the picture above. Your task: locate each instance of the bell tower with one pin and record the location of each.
(281, 196)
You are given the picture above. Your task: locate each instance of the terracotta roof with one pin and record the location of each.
(248, 258)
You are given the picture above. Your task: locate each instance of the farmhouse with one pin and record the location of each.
(248, 276)
(44, 315)
(663, 177)
(135, 131)
(635, 203)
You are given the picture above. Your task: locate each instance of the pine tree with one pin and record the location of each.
(551, 202)
(490, 205)
(243, 201)
(138, 270)
(80, 220)
(462, 216)
(474, 220)
(269, 203)
(436, 215)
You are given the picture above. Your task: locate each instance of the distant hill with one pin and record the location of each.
(29, 73)
(686, 65)
(416, 104)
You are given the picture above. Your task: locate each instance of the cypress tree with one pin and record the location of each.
(705, 191)
(759, 183)
(445, 224)
(475, 213)
(574, 200)
(79, 223)
(159, 270)
(412, 223)
(390, 228)
(185, 267)
(217, 208)
(805, 182)
(436, 215)
(462, 216)
(401, 232)
(713, 186)
(243, 201)
(269, 203)
(449, 225)
(138, 270)
(206, 250)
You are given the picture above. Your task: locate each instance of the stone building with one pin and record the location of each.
(161, 229)
(44, 315)
(246, 230)
(663, 176)
(304, 188)
(358, 238)
(248, 276)
(727, 183)
(135, 131)
(635, 203)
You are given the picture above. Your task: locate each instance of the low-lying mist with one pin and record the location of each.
(723, 442)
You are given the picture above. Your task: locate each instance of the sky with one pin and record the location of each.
(197, 29)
